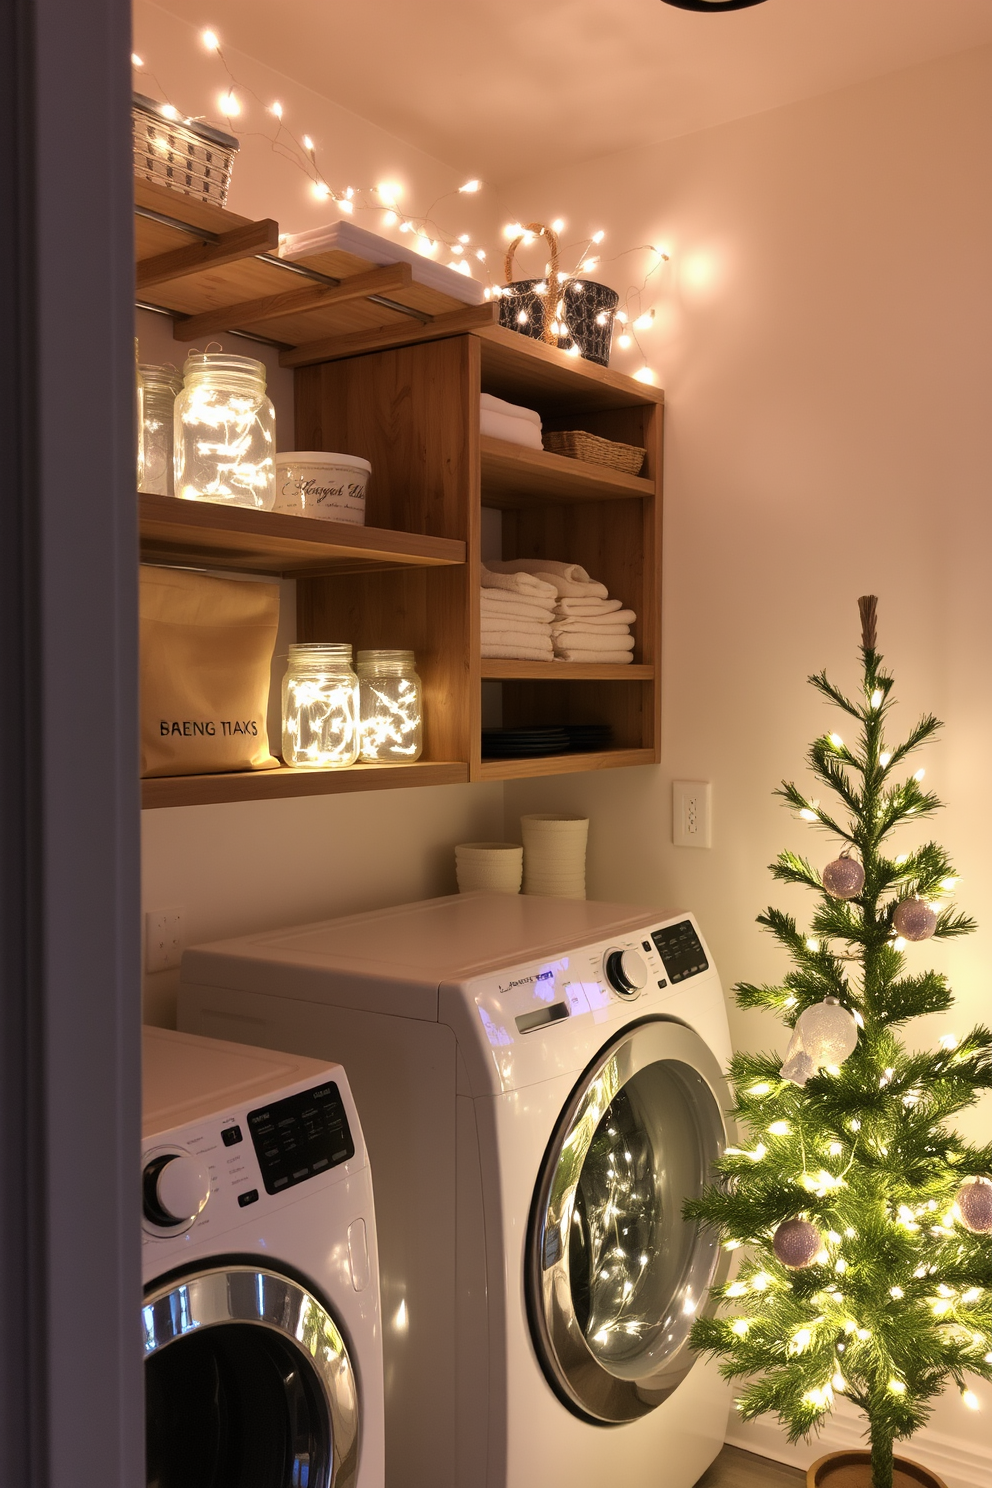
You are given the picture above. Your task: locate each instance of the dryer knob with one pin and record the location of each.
(176, 1189)
(626, 972)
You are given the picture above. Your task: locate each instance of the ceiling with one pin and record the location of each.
(499, 89)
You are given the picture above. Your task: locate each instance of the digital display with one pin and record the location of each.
(680, 950)
(301, 1136)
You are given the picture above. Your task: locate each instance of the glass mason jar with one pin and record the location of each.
(225, 432)
(160, 386)
(392, 710)
(139, 421)
(320, 708)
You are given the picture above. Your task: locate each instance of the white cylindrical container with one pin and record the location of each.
(496, 867)
(312, 483)
(555, 855)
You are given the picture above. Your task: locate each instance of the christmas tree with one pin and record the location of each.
(863, 1218)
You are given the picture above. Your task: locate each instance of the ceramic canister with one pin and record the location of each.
(314, 483)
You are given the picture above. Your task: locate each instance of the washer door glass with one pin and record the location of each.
(248, 1384)
(615, 1275)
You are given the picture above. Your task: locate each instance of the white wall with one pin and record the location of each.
(826, 346)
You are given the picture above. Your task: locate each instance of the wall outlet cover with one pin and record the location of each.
(692, 814)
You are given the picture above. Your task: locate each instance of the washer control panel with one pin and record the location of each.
(681, 951)
(300, 1136)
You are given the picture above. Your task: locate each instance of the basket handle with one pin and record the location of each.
(551, 299)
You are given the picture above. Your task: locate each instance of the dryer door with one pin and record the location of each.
(248, 1385)
(615, 1275)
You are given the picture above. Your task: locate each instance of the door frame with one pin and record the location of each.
(71, 1385)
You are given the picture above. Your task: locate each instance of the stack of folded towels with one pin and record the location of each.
(509, 421)
(517, 615)
(585, 623)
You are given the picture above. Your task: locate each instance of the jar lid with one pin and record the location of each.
(200, 362)
(370, 657)
(322, 457)
(319, 648)
(166, 377)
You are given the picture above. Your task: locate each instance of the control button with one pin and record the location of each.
(662, 983)
(358, 1252)
(176, 1189)
(626, 972)
(231, 1136)
(247, 1198)
(646, 945)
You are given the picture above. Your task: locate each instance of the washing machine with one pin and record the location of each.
(541, 1086)
(261, 1325)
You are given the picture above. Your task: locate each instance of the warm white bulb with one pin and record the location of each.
(513, 230)
(389, 219)
(876, 697)
(308, 143)
(598, 236)
(136, 61)
(837, 741)
(623, 341)
(277, 110)
(457, 248)
(210, 41)
(762, 1088)
(588, 264)
(779, 1129)
(480, 254)
(346, 206)
(406, 227)
(948, 1041)
(897, 1386)
(885, 760)
(558, 225)
(170, 111)
(389, 193)
(970, 1399)
(644, 322)
(808, 815)
(229, 104)
(321, 190)
(350, 192)
(919, 775)
(739, 1327)
(464, 238)
(470, 186)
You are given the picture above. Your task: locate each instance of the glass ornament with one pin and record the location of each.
(974, 1201)
(320, 708)
(844, 878)
(914, 920)
(160, 387)
(392, 716)
(825, 1034)
(225, 432)
(797, 1243)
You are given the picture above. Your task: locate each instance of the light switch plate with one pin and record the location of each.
(163, 939)
(692, 813)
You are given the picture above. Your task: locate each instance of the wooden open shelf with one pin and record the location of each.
(392, 371)
(514, 475)
(564, 764)
(280, 784)
(207, 534)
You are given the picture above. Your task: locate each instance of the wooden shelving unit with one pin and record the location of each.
(391, 371)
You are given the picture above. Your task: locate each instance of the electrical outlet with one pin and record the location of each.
(692, 813)
(163, 939)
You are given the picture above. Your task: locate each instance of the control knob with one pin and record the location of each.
(626, 972)
(176, 1189)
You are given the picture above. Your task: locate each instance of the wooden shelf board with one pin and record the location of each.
(207, 535)
(565, 671)
(563, 764)
(525, 371)
(514, 475)
(280, 784)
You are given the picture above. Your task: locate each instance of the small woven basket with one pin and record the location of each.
(578, 445)
(572, 314)
(184, 154)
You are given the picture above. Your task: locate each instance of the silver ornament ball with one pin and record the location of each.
(797, 1243)
(974, 1201)
(914, 920)
(844, 878)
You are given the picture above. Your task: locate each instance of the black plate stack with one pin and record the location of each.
(533, 742)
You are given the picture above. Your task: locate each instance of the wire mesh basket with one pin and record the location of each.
(561, 310)
(183, 154)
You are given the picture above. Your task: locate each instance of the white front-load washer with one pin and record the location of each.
(541, 1088)
(261, 1326)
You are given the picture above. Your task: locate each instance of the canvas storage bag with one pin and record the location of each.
(206, 650)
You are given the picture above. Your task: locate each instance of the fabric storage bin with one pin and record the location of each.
(572, 314)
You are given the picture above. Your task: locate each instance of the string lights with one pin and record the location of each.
(633, 318)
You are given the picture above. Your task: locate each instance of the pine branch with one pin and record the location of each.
(833, 694)
(924, 730)
(790, 868)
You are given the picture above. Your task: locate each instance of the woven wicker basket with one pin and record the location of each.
(184, 154)
(578, 445)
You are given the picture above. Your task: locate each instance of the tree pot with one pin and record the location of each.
(853, 1470)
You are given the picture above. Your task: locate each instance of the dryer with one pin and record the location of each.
(541, 1085)
(261, 1328)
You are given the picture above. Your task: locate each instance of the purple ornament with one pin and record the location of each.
(914, 920)
(974, 1201)
(797, 1243)
(844, 878)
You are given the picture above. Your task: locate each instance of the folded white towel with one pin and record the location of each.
(518, 653)
(594, 643)
(569, 579)
(575, 655)
(511, 614)
(505, 601)
(537, 635)
(489, 404)
(590, 635)
(617, 620)
(588, 606)
(517, 583)
(513, 430)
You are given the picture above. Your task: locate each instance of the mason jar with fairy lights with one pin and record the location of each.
(320, 708)
(392, 713)
(225, 432)
(160, 387)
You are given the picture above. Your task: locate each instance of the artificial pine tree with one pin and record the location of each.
(864, 1220)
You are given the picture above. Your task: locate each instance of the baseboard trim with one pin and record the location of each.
(960, 1466)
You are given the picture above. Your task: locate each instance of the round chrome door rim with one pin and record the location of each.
(583, 1382)
(206, 1299)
